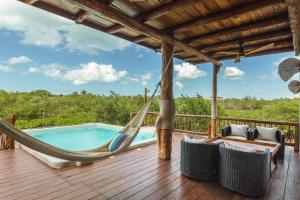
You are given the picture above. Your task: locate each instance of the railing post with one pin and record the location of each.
(7, 142)
(296, 147)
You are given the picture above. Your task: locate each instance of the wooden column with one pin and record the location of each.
(213, 122)
(7, 142)
(164, 123)
(297, 135)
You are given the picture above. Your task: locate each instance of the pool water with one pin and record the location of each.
(83, 137)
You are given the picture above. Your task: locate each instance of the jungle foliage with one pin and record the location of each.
(41, 108)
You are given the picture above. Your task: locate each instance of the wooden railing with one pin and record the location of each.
(199, 124)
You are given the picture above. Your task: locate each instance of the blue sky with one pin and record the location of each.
(39, 50)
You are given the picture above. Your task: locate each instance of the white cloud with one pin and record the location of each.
(179, 85)
(188, 71)
(52, 70)
(93, 72)
(264, 77)
(144, 78)
(233, 73)
(6, 69)
(18, 60)
(40, 28)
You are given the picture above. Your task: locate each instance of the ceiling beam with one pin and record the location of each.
(229, 13)
(267, 52)
(281, 19)
(265, 23)
(96, 8)
(156, 12)
(278, 44)
(294, 17)
(274, 36)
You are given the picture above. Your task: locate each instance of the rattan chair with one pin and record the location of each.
(199, 161)
(248, 173)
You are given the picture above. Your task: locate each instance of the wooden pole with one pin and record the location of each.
(164, 123)
(146, 95)
(296, 147)
(213, 123)
(7, 142)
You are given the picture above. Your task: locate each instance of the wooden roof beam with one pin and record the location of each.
(267, 52)
(294, 17)
(249, 7)
(156, 12)
(278, 44)
(94, 7)
(281, 19)
(270, 36)
(233, 12)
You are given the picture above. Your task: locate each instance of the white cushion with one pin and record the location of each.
(265, 133)
(239, 130)
(239, 147)
(193, 140)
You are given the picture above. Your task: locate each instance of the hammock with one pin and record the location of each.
(130, 130)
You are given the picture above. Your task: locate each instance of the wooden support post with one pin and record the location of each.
(213, 123)
(165, 120)
(297, 135)
(7, 142)
(146, 95)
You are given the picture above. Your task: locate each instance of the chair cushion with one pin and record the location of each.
(194, 140)
(239, 147)
(265, 133)
(117, 141)
(239, 130)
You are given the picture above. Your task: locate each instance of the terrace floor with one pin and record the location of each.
(135, 174)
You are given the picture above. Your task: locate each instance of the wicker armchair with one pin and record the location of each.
(248, 173)
(199, 161)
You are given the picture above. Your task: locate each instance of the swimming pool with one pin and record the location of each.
(84, 137)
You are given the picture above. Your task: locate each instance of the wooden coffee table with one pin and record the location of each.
(259, 146)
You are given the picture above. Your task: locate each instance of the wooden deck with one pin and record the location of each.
(136, 174)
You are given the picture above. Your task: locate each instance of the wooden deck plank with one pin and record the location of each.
(131, 175)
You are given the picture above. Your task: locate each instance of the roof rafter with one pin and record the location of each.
(221, 15)
(156, 12)
(281, 19)
(278, 44)
(233, 12)
(271, 36)
(95, 7)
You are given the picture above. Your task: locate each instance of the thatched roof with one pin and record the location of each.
(203, 30)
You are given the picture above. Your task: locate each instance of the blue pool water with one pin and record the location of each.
(83, 137)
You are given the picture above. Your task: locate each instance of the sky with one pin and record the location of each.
(40, 50)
